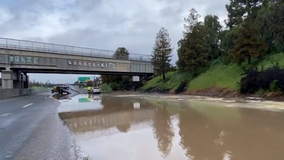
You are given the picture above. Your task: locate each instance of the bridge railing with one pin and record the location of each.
(17, 44)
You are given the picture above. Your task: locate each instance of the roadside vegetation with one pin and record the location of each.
(244, 56)
(119, 82)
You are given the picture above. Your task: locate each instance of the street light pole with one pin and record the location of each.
(46, 83)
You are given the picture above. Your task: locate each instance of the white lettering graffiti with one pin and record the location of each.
(35, 60)
(93, 64)
(24, 59)
(16, 59)
(29, 59)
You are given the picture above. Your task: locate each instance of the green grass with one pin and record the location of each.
(269, 60)
(156, 81)
(219, 75)
(173, 80)
(105, 88)
(223, 76)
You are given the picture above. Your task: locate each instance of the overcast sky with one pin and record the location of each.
(103, 24)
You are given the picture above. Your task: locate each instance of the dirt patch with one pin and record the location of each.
(229, 93)
(216, 92)
(274, 96)
(225, 93)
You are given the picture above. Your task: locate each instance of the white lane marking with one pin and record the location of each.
(3, 115)
(45, 97)
(27, 105)
(12, 99)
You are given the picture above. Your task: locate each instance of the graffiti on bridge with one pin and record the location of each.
(104, 65)
(23, 59)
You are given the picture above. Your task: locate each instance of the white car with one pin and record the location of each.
(96, 90)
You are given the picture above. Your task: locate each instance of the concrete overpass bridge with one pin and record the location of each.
(19, 57)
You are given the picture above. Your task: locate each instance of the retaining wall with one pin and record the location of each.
(9, 93)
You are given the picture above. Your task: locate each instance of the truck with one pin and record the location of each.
(60, 89)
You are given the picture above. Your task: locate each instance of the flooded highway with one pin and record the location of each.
(153, 127)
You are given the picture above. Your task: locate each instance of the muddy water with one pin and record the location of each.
(173, 128)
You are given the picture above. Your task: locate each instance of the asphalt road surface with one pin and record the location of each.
(31, 129)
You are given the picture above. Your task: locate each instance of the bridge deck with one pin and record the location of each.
(39, 57)
(25, 45)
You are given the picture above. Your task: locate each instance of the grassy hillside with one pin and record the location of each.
(105, 88)
(269, 60)
(219, 75)
(223, 76)
(173, 80)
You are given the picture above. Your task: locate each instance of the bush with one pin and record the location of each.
(249, 83)
(182, 87)
(114, 86)
(271, 79)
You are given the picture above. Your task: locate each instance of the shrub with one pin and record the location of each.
(271, 79)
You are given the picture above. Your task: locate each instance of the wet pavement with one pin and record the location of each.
(31, 129)
(153, 127)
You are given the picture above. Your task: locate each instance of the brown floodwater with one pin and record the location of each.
(152, 128)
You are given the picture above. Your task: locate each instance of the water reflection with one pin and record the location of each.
(61, 97)
(81, 102)
(162, 127)
(174, 130)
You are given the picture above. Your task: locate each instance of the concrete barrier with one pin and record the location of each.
(10, 93)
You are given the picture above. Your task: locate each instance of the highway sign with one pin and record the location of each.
(136, 78)
(83, 79)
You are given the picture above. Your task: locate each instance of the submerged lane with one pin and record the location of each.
(138, 127)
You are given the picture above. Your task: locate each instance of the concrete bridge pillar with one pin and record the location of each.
(25, 80)
(9, 79)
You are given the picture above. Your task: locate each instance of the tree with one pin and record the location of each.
(193, 55)
(227, 43)
(270, 22)
(213, 30)
(89, 83)
(105, 79)
(192, 52)
(248, 44)
(235, 13)
(162, 53)
(121, 53)
(190, 21)
(96, 81)
(238, 9)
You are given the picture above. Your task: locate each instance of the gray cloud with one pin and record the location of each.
(104, 24)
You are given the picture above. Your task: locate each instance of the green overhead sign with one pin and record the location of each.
(83, 79)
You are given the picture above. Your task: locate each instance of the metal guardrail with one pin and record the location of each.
(16, 44)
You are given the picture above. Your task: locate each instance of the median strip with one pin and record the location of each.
(27, 105)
